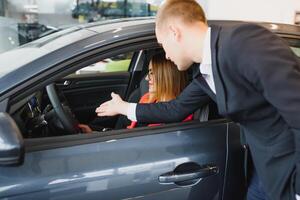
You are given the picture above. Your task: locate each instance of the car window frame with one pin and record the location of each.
(87, 59)
(54, 73)
(41, 144)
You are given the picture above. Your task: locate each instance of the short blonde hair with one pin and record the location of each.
(189, 11)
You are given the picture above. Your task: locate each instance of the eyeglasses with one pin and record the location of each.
(150, 74)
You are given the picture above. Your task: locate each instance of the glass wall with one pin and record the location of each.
(28, 20)
(94, 10)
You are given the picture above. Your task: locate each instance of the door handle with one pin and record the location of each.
(66, 83)
(188, 175)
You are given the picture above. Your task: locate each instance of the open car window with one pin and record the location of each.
(79, 94)
(84, 91)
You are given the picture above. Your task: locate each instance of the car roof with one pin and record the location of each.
(81, 38)
(86, 30)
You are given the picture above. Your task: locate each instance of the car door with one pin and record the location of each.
(178, 161)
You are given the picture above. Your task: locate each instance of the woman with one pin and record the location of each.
(165, 83)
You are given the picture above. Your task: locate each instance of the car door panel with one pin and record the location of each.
(123, 168)
(86, 92)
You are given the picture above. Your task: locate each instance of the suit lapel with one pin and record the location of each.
(205, 87)
(220, 91)
(201, 81)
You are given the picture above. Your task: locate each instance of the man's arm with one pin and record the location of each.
(191, 98)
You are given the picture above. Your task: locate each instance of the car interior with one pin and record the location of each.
(58, 109)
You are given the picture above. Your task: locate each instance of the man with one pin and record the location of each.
(255, 80)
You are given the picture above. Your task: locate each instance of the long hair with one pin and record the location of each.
(168, 79)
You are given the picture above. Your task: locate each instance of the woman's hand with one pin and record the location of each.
(85, 128)
(113, 107)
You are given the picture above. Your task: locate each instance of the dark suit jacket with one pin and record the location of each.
(257, 79)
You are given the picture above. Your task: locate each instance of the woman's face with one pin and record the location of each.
(150, 79)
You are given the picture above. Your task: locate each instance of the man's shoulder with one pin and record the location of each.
(243, 26)
(240, 33)
(247, 25)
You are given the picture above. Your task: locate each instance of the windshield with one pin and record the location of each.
(12, 60)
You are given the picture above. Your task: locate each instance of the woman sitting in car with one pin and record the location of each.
(165, 83)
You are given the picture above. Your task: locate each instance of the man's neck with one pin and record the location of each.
(197, 36)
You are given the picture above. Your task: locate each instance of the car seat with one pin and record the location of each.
(134, 97)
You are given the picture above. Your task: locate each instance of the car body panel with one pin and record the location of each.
(130, 171)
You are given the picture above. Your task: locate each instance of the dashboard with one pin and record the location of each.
(28, 114)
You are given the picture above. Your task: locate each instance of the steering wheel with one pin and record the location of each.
(63, 112)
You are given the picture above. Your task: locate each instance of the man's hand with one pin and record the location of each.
(113, 107)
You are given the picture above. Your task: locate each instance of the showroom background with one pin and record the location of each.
(22, 21)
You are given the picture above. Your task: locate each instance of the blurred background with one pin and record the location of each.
(22, 21)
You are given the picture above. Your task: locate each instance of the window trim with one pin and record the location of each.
(40, 144)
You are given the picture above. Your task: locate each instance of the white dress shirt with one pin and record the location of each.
(205, 69)
(206, 64)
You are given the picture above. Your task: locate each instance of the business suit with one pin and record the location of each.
(257, 79)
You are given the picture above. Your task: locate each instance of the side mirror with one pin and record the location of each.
(11, 142)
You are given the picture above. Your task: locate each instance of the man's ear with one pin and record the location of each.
(175, 32)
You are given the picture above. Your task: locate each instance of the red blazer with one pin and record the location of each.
(145, 99)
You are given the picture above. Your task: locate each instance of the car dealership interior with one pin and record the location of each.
(22, 21)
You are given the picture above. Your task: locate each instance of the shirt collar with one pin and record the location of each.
(205, 67)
